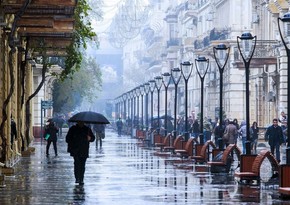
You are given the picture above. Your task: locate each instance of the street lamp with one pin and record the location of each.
(246, 49)
(176, 75)
(124, 97)
(166, 81)
(142, 92)
(286, 23)
(221, 54)
(137, 94)
(186, 69)
(146, 89)
(201, 65)
(152, 87)
(158, 84)
(131, 94)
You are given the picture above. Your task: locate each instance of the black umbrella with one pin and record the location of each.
(89, 117)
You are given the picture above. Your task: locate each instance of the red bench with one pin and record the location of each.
(166, 142)
(169, 150)
(188, 149)
(254, 173)
(177, 144)
(284, 180)
(223, 163)
(203, 154)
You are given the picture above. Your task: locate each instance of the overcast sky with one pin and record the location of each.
(110, 8)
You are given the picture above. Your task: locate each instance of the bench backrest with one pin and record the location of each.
(140, 133)
(260, 158)
(158, 138)
(230, 148)
(177, 142)
(166, 140)
(205, 147)
(189, 146)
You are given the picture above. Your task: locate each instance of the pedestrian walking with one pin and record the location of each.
(243, 134)
(13, 132)
(195, 129)
(230, 134)
(119, 125)
(254, 137)
(100, 134)
(50, 135)
(60, 122)
(78, 138)
(274, 136)
(218, 133)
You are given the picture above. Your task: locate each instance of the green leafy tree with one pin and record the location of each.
(86, 83)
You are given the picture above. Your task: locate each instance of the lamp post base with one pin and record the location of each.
(221, 143)
(201, 137)
(186, 136)
(248, 147)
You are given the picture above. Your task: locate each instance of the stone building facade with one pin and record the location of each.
(183, 30)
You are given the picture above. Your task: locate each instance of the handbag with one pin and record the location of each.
(47, 136)
(226, 136)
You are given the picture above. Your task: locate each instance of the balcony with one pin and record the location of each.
(265, 53)
(214, 35)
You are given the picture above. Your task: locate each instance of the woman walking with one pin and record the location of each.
(50, 135)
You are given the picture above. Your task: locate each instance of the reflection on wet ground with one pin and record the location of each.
(124, 173)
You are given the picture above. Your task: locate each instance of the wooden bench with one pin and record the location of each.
(230, 149)
(169, 150)
(188, 149)
(177, 144)
(203, 154)
(158, 138)
(166, 142)
(141, 137)
(284, 180)
(254, 173)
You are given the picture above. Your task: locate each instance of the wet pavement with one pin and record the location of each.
(124, 173)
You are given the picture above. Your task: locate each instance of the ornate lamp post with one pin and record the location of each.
(142, 92)
(134, 106)
(246, 49)
(201, 64)
(221, 54)
(158, 84)
(131, 94)
(176, 75)
(137, 93)
(186, 69)
(166, 81)
(146, 89)
(152, 87)
(124, 98)
(286, 23)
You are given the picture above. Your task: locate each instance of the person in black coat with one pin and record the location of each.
(100, 134)
(78, 138)
(52, 131)
(13, 132)
(274, 136)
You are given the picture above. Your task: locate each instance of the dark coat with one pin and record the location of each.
(77, 139)
(52, 130)
(274, 135)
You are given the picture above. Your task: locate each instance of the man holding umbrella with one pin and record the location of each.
(78, 138)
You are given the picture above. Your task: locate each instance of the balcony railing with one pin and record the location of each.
(264, 49)
(215, 34)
